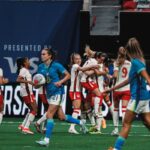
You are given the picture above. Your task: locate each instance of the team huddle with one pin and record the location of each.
(123, 79)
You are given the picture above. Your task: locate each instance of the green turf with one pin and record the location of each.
(12, 139)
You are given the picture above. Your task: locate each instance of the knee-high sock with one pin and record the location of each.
(119, 142)
(91, 117)
(123, 112)
(49, 129)
(42, 119)
(25, 119)
(109, 103)
(76, 113)
(116, 118)
(72, 120)
(1, 117)
(30, 119)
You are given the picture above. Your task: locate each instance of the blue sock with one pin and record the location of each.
(119, 142)
(49, 128)
(72, 120)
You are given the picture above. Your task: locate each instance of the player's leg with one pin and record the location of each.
(1, 107)
(31, 116)
(115, 114)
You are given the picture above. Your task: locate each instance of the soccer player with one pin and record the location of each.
(140, 96)
(121, 73)
(88, 81)
(75, 87)
(2, 81)
(52, 71)
(26, 91)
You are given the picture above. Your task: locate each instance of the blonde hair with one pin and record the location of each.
(134, 49)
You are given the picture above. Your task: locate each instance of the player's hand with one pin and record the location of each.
(5, 80)
(58, 84)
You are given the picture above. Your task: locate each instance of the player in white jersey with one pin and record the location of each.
(121, 73)
(26, 92)
(75, 87)
(2, 81)
(88, 81)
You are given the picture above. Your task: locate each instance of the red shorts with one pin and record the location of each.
(43, 98)
(90, 86)
(1, 100)
(122, 95)
(75, 95)
(29, 99)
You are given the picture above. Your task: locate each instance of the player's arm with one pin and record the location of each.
(145, 75)
(21, 79)
(3, 80)
(87, 68)
(125, 82)
(64, 79)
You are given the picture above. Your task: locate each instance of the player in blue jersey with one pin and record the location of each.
(56, 75)
(140, 96)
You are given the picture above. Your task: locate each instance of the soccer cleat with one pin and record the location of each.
(114, 133)
(104, 123)
(42, 142)
(92, 128)
(83, 127)
(20, 127)
(37, 126)
(95, 131)
(27, 131)
(73, 131)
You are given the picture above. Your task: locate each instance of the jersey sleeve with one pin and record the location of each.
(60, 68)
(116, 68)
(22, 73)
(1, 72)
(75, 67)
(138, 65)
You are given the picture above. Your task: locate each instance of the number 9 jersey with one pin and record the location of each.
(123, 74)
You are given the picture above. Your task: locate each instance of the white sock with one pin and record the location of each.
(42, 119)
(91, 117)
(123, 112)
(46, 139)
(110, 107)
(116, 118)
(1, 117)
(25, 119)
(29, 120)
(75, 115)
(99, 122)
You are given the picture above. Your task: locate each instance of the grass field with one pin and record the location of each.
(12, 139)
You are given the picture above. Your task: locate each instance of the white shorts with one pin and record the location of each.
(56, 100)
(139, 106)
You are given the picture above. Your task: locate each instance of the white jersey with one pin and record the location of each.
(25, 89)
(1, 72)
(75, 79)
(100, 79)
(41, 90)
(84, 77)
(1, 75)
(123, 74)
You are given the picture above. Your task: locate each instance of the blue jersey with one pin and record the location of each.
(52, 74)
(138, 83)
